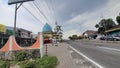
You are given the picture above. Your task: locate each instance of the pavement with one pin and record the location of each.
(64, 56)
(107, 55)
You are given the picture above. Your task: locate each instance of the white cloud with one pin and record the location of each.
(24, 18)
(110, 10)
(81, 17)
(6, 14)
(89, 19)
(70, 33)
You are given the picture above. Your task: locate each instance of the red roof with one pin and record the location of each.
(90, 32)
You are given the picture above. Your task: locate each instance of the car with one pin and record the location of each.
(116, 38)
(102, 38)
(109, 38)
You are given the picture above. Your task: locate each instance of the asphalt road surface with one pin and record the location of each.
(105, 54)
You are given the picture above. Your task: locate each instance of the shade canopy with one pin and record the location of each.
(17, 1)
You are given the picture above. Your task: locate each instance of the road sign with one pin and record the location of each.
(17, 1)
(2, 28)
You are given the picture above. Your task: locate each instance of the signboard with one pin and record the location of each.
(9, 32)
(47, 41)
(2, 28)
(17, 1)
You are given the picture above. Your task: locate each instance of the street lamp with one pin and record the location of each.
(10, 2)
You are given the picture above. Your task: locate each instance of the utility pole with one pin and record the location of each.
(16, 8)
(10, 2)
(15, 19)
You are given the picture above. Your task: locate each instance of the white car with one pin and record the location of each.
(116, 38)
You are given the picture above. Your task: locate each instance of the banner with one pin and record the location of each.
(17, 1)
(2, 28)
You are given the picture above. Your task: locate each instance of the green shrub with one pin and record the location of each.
(45, 62)
(21, 56)
(4, 64)
(30, 64)
(50, 62)
(35, 54)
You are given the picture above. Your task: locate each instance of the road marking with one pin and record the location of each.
(87, 57)
(109, 48)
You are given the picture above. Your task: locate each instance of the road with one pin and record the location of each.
(105, 54)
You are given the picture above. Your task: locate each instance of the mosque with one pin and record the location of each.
(47, 31)
(49, 34)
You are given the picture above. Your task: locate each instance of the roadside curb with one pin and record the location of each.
(100, 41)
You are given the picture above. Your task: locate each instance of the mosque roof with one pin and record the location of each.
(47, 28)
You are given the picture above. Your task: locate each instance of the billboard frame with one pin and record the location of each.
(15, 1)
(16, 8)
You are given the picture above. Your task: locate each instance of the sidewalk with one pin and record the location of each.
(63, 55)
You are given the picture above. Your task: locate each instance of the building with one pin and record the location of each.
(23, 33)
(90, 34)
(9, 30)
(47, 31)
(20, 32)
(115, 31)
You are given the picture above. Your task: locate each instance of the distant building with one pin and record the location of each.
(47, 31)
(9, 30)
(34, 35)
(20, 32)
(23, 33)
(115, 31)
(90, 34)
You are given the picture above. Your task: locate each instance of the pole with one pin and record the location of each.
(46, 49)
(41, 44)
(15, 19)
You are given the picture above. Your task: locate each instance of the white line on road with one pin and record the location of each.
(87, 57)
(109, 48)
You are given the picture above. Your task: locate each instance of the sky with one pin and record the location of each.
(75, 16)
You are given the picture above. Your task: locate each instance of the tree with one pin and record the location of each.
(97, 25)
(58, 31)
(101, 30)
(118, 20)
(80, 37)
(74, 37)
(70, 37)
(105, 24)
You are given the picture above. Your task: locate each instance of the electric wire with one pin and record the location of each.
(48, 6)
(37, 11)
(45, 10)
(53, 11)
(44, 4)
(40, 11)
(33, 15)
